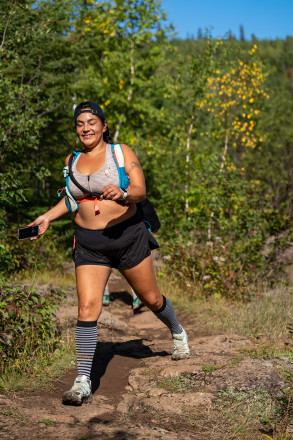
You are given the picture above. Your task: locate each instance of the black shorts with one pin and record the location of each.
(121, 246)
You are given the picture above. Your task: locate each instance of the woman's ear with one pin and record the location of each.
(105, 126)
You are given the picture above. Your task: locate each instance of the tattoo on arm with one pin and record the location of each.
(134, 165)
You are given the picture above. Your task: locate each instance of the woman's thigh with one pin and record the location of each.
(142, 279)
(91, 281)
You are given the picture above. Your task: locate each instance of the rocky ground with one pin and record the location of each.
(140, 393)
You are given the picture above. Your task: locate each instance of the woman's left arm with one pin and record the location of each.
(136, 192)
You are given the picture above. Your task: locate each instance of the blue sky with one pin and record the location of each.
(264, 18)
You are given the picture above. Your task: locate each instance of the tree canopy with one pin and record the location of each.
(209, 119)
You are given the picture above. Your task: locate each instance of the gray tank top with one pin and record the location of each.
(95, 182)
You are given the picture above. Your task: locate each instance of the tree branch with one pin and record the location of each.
(5, 29)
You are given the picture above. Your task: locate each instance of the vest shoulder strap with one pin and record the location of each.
(118, 157)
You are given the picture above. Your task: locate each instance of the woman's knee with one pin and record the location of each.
(153, 301)
(89, 311)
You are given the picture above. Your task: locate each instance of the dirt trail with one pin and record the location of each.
(139, 392)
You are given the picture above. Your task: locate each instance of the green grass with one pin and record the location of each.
(177, 384)
(58, 278)
(270, 316)
(41, 373)
(48, 422)
(240, 412)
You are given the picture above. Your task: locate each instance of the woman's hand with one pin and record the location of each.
(111, 192)
(43, 222)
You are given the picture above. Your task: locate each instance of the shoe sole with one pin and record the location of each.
(186, 356)
(70, 400)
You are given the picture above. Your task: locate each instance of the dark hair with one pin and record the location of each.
(107, 137)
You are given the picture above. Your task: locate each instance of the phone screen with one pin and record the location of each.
(29, 232)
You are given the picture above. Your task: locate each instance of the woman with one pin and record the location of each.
(111, 234)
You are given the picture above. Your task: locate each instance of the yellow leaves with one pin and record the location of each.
(106, 80)
(107, 102)
(165, 95)
(121, 84)
(231, 97)
(87, 21)
(112, 34)
(132, 140)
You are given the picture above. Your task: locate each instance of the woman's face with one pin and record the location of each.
(90, 129)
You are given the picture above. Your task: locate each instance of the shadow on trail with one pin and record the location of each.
(122, 295)
(118, 435)
(106, 351)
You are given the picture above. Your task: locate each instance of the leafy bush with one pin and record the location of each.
(211, 269)
(28, 327)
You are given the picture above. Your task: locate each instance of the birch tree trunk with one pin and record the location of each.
(187, 163)
(130, 92)
(224, 155)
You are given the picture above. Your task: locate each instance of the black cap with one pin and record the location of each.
(89, 107)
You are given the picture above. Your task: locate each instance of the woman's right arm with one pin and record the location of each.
(44, 220)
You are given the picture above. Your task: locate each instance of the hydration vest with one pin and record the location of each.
(71, 204)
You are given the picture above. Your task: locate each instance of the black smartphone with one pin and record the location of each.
(29, 232)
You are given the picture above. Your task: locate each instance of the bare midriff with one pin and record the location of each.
(111, 213)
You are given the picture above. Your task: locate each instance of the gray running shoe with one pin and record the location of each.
(136, 305)
(181, 349)
(106, 300)
(80, 392)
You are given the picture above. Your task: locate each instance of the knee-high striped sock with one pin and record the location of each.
(86, 341)
(168, 316)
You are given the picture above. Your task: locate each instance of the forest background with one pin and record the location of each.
(210, 120)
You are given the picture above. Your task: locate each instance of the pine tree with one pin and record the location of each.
(242, 37)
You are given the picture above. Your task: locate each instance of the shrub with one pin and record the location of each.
(28, 327)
